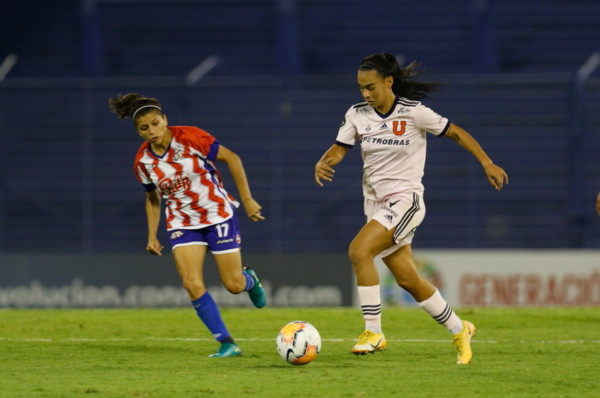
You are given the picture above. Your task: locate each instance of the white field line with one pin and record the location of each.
(273, 339)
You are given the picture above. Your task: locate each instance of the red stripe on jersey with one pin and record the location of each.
(138, 166)
(211, 187)
(171, 216)
(189, 193)
(220, 181)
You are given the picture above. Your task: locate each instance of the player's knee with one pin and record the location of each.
(234, 285)
(195, 287)
(409, 282)
(358, 255)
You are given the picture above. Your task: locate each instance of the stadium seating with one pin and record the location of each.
(171, 38)
(67, 163)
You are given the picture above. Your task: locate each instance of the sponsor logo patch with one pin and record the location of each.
(171, 186)
(389, 218)
(238, 239)
(176, 234)
(390, 211)
(368, 128)
(178, 155)
(224, 241)
(383, 126)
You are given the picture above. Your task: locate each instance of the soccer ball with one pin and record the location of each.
(298, 343)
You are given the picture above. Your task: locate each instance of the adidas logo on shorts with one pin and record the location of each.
(389, 217)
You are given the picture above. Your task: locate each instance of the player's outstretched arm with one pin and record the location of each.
(239, 176)
(153, 214)
(496, 175)
(333, 156)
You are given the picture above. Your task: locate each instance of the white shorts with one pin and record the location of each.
(403, 212)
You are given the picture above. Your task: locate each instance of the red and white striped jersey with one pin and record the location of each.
(187, 178)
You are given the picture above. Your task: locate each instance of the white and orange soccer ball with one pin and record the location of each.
(298, 343)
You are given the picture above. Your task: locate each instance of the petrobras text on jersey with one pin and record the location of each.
(383, 141)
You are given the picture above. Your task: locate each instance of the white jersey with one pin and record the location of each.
(393, 146)
(187, 178)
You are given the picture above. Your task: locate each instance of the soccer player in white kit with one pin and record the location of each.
(391, 126)
(177, 163)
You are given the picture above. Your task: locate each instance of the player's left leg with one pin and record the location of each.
(189, 259)
(402, 265)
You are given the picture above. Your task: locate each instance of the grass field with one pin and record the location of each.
(163, 353)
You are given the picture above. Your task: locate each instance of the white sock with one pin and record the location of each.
(370, 303)
(439, 309)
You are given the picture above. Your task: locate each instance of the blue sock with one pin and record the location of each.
(249, 281)
(209, 314)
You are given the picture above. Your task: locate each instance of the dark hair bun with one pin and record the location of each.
(127, 105)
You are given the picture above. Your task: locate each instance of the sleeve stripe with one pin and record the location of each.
(408, 105)
(445, 129)
(214, 151)
(149, 187)
(344, 145)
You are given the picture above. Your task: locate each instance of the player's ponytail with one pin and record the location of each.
(133, 105)
(404, 83)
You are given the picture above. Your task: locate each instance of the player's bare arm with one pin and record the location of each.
(496, 175)
(153, 214)
(239, 176)
(333, 156)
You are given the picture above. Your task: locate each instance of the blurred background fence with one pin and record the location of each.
(272, 79)
(68, 182)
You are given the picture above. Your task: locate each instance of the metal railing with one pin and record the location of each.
(66, 182)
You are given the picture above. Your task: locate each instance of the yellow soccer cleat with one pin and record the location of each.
(462, 342)
(369, 342)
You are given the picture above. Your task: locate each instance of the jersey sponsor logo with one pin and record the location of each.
(402, 127)
(389, 218)
(170, 186)
(343, 122)
(178, 155)
(403, 111)
(238, 239)
(176, 234)
(224, 241)
(383, 126)
(368, 128)
(393, 203)
(383, 141)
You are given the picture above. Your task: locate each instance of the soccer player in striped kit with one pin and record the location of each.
(391, 126)
(178, 163)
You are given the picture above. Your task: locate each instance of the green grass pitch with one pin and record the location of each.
(163, 353)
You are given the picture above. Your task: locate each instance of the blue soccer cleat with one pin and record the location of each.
(257, 293)
(227, 350)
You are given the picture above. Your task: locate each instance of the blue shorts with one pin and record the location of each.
(220, 238)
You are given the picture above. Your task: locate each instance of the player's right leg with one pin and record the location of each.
(189, 259)
(370, 241)
(402, 265)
